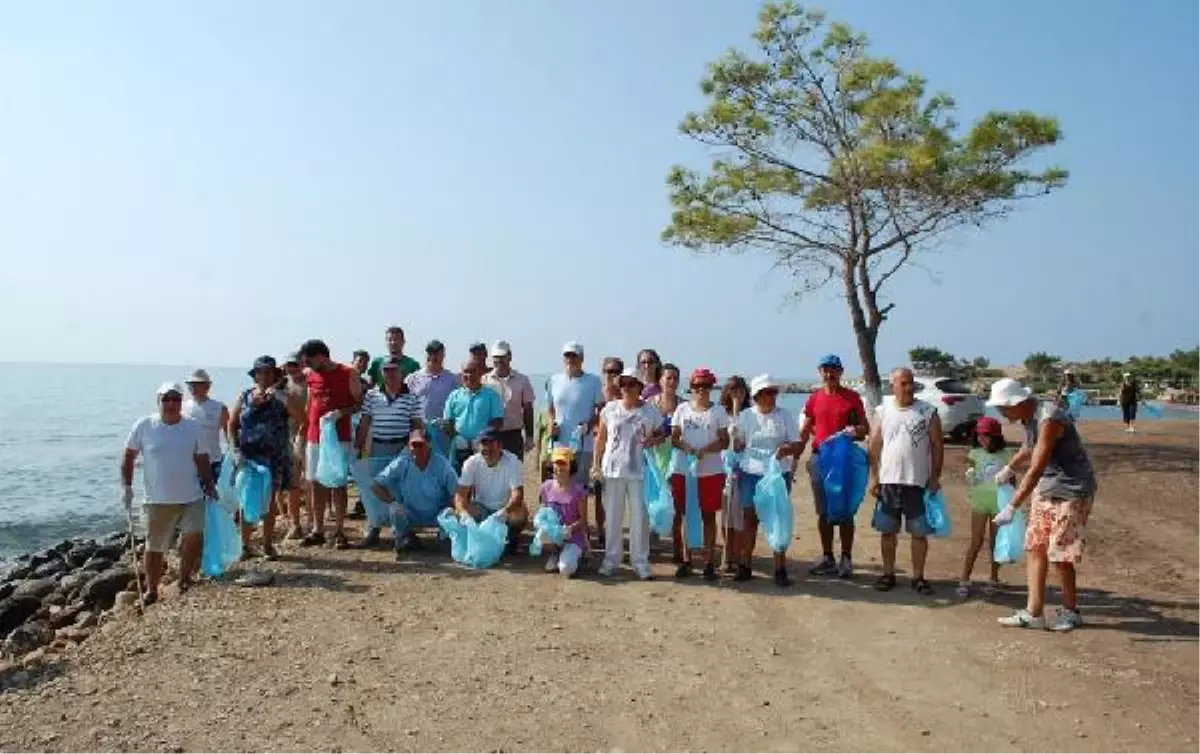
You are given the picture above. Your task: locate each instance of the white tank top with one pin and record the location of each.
(906, 456)
(208, 416)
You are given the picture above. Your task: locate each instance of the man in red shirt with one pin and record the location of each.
(333, 390)
(832, 409)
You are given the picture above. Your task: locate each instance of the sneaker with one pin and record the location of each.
(730, 568)
(372, 538)
(845, 568)
(340, 542)
(644, 574)
(1067, 620)
(607, 569)
(269, 552)
(782, 579)
(314, 539)
(827, 567)
(963, 591)
(683, 571)
(710, 572)
(552, 564)
(743, 573)
(1022, 619)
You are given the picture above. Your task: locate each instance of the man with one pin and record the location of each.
(361, 361)
(830, 410)
(394, 338)
(470, 410)
(576, 398)
(389, 414)
(418, 484)
(211, 414)
(334, 392)
(493, 480)
(1061, 483)
(1128, 397)
(296, 393)
(433, 384)
(477, 354)
(516, 393)
(176, 475)
(906, 454)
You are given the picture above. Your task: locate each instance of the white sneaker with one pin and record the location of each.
(552, 564)
(1067, 620)
(644, 573)
(1022, 619)
(607, 569)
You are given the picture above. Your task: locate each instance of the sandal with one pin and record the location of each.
(964, 590)
(921, 586)
(886, 582)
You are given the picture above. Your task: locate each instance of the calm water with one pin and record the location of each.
(62, 430)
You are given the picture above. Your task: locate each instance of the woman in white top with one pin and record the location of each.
(627, 426)
(763, 431)
(700, 431)
(211, 414)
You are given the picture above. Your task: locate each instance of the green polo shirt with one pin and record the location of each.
(375, 371)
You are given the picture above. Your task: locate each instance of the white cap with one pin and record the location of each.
(169, 387)
(501, 348)
(198, 375)
(1008, 392)
(631, 373)
(572, 346)
(763, 382)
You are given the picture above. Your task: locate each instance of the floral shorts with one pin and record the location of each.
(1056, 527)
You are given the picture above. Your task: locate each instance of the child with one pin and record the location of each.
(987, 457)
(568, 498)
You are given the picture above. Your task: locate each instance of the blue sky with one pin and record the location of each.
(198, 183)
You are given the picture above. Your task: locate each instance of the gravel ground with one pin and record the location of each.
(353, 651)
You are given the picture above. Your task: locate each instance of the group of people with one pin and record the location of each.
(432, 439)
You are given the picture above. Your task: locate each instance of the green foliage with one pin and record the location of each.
(1039, 365)
(841, 165)
(931, 360)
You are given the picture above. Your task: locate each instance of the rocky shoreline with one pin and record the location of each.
(55, 598)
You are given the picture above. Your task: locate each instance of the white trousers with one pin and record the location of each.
(618, 493)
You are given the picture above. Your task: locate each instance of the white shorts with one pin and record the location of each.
(311, 452)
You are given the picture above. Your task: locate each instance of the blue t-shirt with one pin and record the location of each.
(425, 490)
(575, 401)
(471, 412)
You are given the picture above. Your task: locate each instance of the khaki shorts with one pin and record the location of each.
(299, 448)
(163, 518)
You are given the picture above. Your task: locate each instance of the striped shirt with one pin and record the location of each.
(391, 418)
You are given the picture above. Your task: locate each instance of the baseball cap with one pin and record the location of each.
(830, 360)
(477, 346)
(392, 362)
(489, 435)
(566, 455)
(169, 387)
(630, 374)
(198, 375)
(435, 346)
(293, 358)
(763, 382)
(572, 346)
(501, 348)
(988, 426)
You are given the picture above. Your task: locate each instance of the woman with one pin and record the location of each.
(258, 432)
(763, 431)
(666, 401)
(700, 431)
(211, 414)
(734, 397)
(626, 428)
(612, 369)
(650, 367)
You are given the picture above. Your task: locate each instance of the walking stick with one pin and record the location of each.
(137, 574)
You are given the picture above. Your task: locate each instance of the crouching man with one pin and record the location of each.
(493, 480)
(418, 484)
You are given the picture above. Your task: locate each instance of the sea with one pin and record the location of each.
(63, 428)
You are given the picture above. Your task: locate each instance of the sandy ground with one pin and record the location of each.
(354, 651)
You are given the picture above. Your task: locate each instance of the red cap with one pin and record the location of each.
(988, 426)
(703, 376)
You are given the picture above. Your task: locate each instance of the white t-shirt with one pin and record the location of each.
(763, 434)
(906, 457)
(575, 400)
(493, 485)
(208, 416)
(168, 459)
(699, 429)
(627, 429)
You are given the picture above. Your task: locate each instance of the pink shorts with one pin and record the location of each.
(711, 491)
(1057, 529)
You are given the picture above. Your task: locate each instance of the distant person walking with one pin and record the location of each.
(1061, 484)
(1128, 397)
(176, 475)
(516, 393)
(210, 413)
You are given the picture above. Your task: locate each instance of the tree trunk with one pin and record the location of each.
(866, 338)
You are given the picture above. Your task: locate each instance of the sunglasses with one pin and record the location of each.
(612, 371)
(173, 397)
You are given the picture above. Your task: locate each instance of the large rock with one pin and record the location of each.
(28, 637)
(39, 559)
(102, 589)
(80, 553)
(65, 616)
(19, 572)
(63, 547)
(36, 587)
(73, 582)
(7, 588)
(111, 552)
(16, 610)
(53, 568)
(96, 564)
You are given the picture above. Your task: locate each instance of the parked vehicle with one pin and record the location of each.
(957, 406)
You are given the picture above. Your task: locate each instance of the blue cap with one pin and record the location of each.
(830, 360)
(489, 434)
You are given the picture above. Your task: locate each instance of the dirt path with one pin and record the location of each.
(353, 651)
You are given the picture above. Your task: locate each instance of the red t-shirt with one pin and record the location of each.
(329, 391)
(832, 412)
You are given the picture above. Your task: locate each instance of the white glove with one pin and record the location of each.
(1005, 475)
(127, 497)
(1005, 516)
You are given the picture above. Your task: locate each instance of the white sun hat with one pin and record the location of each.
(169, 387)
(763, 382)
(631, 374)
(1008, 392)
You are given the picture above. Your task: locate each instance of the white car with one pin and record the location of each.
(957, 406)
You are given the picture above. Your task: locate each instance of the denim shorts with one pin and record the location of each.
(896, 500)
(746, 483)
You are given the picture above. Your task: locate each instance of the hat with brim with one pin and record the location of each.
(702, 377)
(563, 455)
(1007, 393)
(198, 376)
(763, 382)
(169, 387)
(630, 375)
(263, 362)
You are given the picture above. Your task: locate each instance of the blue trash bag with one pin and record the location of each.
(1010, 538)
(222, 540)
(1076, 400)
(936, 514)
(773, 506)
(227, 494)
(486, 541)
(546, 526)
(253, 486)
(693, 524)
(453, 527)
(333, 462)
(844, 472)
(660, 507)
(379, 513)
(1152, 410)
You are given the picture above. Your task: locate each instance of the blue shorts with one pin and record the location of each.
(896, 500)
(746, 483)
